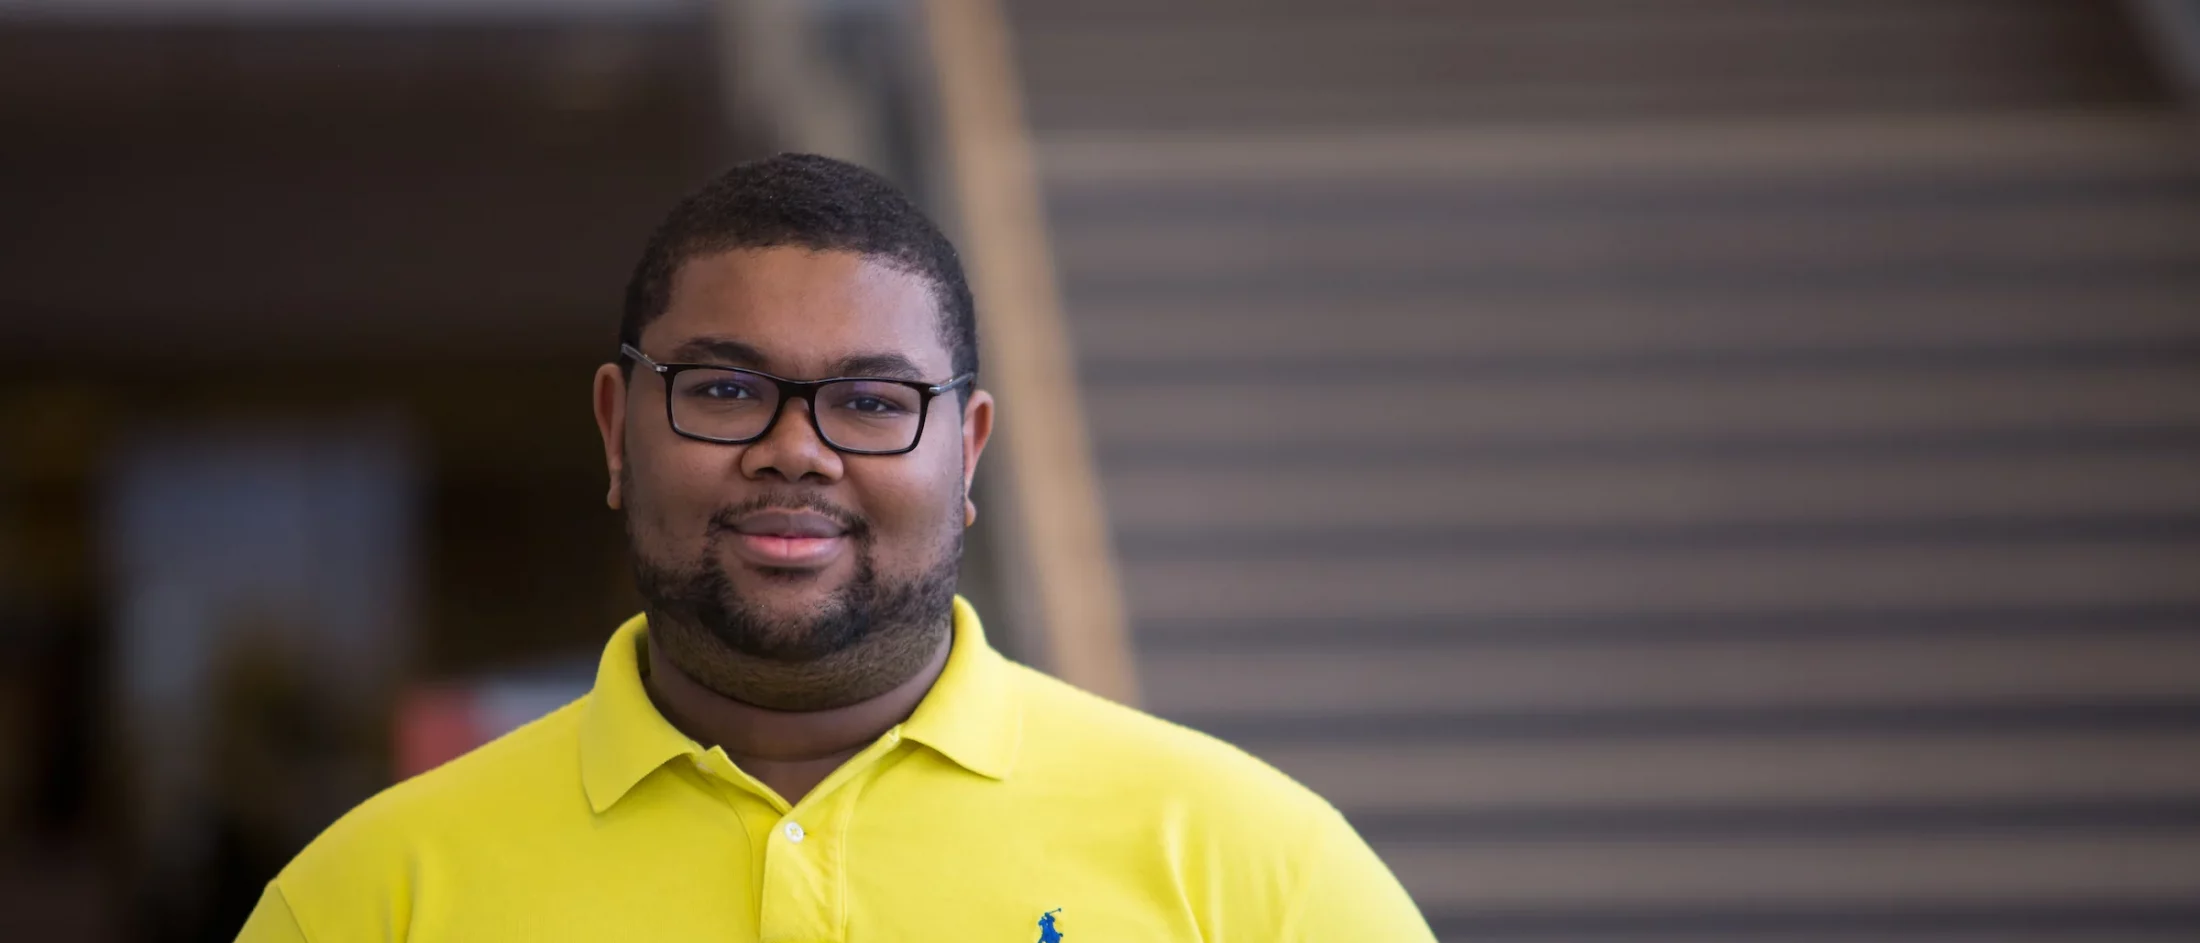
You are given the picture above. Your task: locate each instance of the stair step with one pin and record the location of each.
(1729, 580)
(1613, 245)
(1593, 159)
(1379, 776)
(1303, 503)
(1584, 324)
(1210, 65)
(1354, 677)
(2022, 867)
(1312, 415)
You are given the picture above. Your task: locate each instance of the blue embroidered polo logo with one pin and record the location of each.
(1047, 931)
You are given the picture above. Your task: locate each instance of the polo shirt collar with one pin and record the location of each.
(970, 716)
(622, 736)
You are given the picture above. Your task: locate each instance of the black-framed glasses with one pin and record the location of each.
(732, 406)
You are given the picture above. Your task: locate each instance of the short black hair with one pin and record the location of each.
(816, 203)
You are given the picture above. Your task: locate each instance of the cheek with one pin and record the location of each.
(674, 493)
(910, 506)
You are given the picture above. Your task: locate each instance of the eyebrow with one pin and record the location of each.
(732, 353)
(718, 350)
(888, 365)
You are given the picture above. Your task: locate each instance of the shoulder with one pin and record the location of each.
(531, 766)
(1258, 852)
(386, 841)
(1147, 760)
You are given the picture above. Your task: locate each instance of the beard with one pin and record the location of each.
(863, 630)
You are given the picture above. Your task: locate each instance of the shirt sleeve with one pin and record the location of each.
(1347, 894)
(272, 921)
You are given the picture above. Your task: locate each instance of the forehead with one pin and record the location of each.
(804, 310)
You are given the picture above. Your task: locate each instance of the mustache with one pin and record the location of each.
(723, 521)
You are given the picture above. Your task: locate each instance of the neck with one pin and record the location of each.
(790, 751)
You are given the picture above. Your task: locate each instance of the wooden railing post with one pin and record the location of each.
(1028, 363)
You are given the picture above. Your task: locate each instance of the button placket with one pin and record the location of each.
(805, 878)
(801, 880)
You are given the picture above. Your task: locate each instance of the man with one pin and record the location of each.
(805, 737)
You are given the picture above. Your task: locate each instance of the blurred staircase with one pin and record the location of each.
(1711, 470)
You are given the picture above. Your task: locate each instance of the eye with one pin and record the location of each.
(870, 400)
(874, 405)
(722, 389)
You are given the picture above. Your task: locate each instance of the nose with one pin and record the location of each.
(792, 450)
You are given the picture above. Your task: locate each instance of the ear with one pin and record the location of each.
(610, 403)
(977, 431)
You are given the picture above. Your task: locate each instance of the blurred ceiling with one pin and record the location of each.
(340, 187)
(266, 11)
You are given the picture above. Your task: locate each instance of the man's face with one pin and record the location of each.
(795, 549)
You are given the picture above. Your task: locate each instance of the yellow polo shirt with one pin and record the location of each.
(1010, 808)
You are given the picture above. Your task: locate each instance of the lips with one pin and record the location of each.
(788, 539)
(788, 524)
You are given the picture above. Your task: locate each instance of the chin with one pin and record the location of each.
(788, 589)
(789, 595)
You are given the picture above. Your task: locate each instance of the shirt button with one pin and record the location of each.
(794, 832)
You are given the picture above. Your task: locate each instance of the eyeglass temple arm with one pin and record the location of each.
(641, 358)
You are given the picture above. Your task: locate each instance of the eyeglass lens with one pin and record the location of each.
(859, 415)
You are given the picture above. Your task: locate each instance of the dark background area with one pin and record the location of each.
(376, 260)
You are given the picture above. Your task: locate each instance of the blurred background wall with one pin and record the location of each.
(298, 306)
(1669, 470)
